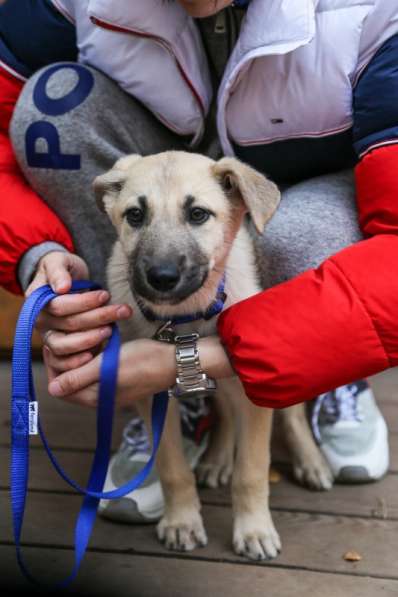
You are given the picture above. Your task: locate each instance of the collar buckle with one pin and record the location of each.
(165, 333)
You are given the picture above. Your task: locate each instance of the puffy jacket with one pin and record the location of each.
(25, 220)
(290, 53)
(305, 76)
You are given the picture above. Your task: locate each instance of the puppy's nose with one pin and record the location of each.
(163, 277)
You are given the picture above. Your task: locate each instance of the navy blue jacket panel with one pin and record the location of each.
(33, 34)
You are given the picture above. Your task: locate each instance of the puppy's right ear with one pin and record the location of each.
(108, 186)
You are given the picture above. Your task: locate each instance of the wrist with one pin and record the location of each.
(166, 364)
(214, 359)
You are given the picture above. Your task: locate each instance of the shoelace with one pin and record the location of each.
(339, 405)
(135, 436)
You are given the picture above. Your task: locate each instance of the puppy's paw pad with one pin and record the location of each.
(182, 535)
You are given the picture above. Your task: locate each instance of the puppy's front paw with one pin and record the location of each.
(214, 474)
(314, 473)
(216, 466)
(182, 532)
(255, 537)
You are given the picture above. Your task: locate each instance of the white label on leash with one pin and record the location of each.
(33, 418)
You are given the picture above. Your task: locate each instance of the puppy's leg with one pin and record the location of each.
(254, 534)
(215, 467)
(309, 465)
(181, 527)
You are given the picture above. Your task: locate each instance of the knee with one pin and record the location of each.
(320, 214)
(316, 219)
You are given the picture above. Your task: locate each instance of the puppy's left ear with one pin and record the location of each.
(108, 186)
(259, 195)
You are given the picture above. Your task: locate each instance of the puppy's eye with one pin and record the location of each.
(198, 215)
(134, 216)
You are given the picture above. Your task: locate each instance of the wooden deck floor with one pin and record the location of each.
(316, 528)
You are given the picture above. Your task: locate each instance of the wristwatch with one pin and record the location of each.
(191, 380)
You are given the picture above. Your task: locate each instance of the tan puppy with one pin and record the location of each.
(180, 224)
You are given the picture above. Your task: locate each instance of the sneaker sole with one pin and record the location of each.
(354, 470)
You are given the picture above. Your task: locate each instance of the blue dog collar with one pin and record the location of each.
(212, 310)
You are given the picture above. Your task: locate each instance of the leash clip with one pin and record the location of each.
(165, 333)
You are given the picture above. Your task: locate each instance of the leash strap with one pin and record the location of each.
(24, 413)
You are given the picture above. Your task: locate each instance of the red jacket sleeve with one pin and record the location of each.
(332, 325)
(338, 323)
(25, 220)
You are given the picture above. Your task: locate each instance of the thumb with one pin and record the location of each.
(40, 279)
(58, 276)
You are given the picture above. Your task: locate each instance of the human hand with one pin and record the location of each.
(73, 326)
(145, 367)
(58, 269)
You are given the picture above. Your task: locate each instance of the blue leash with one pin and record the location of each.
(24, 412)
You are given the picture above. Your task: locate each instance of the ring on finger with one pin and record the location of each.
(46, 336)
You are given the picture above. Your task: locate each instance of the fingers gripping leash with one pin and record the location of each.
(25, 421)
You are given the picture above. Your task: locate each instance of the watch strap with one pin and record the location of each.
(190, 375)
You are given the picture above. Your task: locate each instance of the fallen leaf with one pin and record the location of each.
(274, 476)
(352, 556)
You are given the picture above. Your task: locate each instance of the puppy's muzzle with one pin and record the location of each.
(170, 280)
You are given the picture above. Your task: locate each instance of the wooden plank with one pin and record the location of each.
(393, 444)
(72, 426)
(76, 429)
(385, 385)
(40, 386)
(10, 306)
(375, 500)
(142, 576)
(66, 425)
(390, 413)
(48, 404)
(311, 541)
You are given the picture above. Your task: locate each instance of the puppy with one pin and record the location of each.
(184, 214)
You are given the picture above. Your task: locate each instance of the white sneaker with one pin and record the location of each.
(146, 504)
(352, 433)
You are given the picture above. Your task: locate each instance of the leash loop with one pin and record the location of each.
(24, 412)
